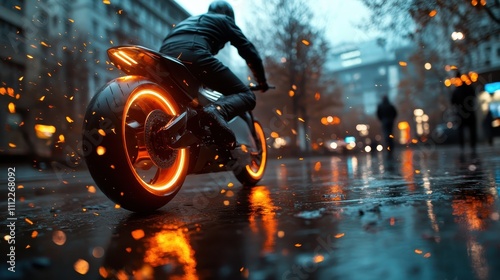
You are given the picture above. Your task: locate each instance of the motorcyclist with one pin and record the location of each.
(195, 41)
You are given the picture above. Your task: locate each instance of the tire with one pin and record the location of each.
(253, 172)
(114, 149)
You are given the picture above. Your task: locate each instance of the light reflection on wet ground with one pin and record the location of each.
(421, 215)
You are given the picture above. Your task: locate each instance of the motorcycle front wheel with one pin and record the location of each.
(253, 171)
(115, 150)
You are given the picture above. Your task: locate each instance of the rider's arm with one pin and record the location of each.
(248, 52)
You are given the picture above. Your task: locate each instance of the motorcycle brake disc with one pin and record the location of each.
(161, 155)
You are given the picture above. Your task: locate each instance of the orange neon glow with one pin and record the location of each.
(470, 211)
(169, 177)
(262, 206)
(336, 190)
(262, 166)
(407, 169)
(171, 247)
(125, 57)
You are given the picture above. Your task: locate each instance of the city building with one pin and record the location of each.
(365, 72)
(53, 59)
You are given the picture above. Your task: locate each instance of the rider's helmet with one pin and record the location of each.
(221, 7)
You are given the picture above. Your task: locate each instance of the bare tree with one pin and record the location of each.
(295, 51)
(431, 23)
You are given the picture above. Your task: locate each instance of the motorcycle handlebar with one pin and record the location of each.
(254, 88)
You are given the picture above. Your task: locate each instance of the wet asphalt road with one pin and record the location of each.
(424, 214)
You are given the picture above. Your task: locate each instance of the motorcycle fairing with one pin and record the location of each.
(166, 71)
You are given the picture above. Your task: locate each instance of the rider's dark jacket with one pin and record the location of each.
(210, 32)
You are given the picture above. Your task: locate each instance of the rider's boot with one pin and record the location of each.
(217, 120)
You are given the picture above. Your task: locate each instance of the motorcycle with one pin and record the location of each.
(143, 133)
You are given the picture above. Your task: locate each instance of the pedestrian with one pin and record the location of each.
(196, 41)
(387, 113)
(463, 100)
(488, 128)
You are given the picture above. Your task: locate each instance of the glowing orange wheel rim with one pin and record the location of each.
(159, 181)
(258, 164)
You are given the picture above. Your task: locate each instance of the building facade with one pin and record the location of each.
(53, 59)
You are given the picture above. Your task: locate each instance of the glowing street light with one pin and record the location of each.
(456, 36)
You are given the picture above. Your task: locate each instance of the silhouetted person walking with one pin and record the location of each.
(387, 113)
(463, 100)
(487, 128)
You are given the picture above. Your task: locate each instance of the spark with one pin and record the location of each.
(12, 108)
(59, 237)
(339, 235)
(29, 56)
(98, 252)
(318, 258)
(103, 272)
(91, 189)
(403, 64)
(138, 234)
(68, 119)
(12, 145)
(101, 150)
(71, 20)
(305, 42)
(81, 266)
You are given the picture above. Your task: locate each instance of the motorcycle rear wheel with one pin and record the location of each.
(253, 172)
(114, 145)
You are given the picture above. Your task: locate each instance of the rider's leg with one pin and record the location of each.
(237, 99)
